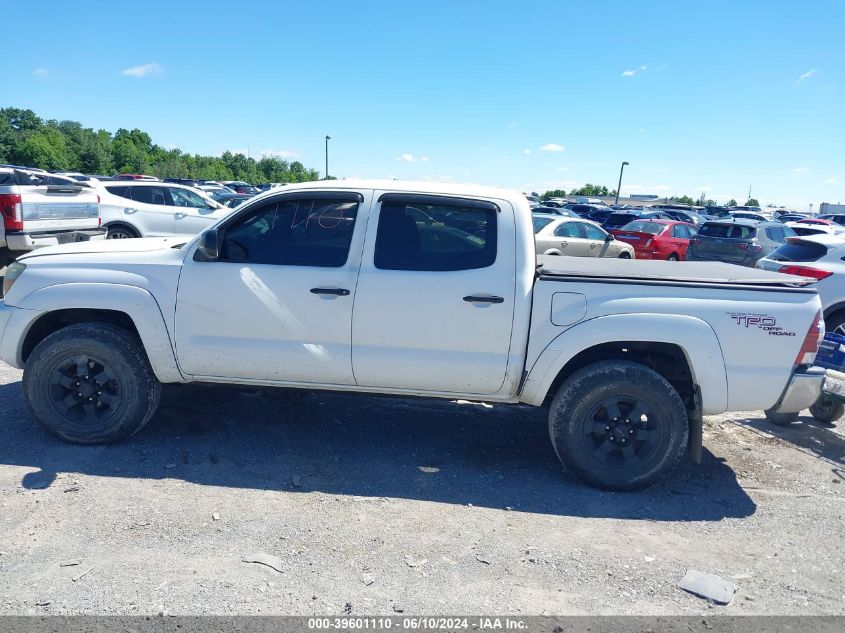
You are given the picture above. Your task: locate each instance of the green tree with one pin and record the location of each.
(554, 193)
(752, 202)
(46, 149)
(731, 203)
(683, 200)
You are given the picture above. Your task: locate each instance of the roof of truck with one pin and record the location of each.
(410, 186)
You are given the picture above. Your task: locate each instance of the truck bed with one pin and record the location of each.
(664, 272)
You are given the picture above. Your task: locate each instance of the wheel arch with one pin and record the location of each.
(684, 350)
(123, 225)
(128, 306)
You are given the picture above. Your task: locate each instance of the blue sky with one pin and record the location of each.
(698, 96)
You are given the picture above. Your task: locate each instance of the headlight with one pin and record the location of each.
(13, 271)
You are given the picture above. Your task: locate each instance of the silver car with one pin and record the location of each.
(556, 235)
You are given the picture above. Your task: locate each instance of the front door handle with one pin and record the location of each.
(130, 210)
(180, 215)
(338, 292)
(477, 299)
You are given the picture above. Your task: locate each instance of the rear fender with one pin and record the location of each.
(695, 337)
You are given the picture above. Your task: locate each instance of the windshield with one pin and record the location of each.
(641, 226)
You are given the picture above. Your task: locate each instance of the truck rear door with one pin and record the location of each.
(47, 207)
(435, 296)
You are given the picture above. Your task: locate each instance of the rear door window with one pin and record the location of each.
(122, 191)
(680, 231)
(149, 195)
(725, 230)
(569, 229)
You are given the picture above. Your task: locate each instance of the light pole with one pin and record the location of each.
(328, 138)
(619, 186)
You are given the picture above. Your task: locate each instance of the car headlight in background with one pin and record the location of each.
(13, 271)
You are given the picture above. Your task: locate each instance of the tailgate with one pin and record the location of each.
(58, 208)
(724, 249)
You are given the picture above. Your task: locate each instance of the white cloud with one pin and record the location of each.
(643, 67)
(527, 152)
(41, 72)
(805, 76)
(406, 158)
(563, 168)
(423, 159)
(552, 147)
(277, 153)
(833, 180)
(801, 170)
(142, 71)
(629, 73)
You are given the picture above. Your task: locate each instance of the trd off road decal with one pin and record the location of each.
(760, 321)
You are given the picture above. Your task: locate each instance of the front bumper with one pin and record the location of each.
(804, 389)
(31, 241)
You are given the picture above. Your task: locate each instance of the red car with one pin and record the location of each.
(657, 239)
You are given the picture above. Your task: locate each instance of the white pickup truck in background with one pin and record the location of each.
(417, 289)
(42, 209)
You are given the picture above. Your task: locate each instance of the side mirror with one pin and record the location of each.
(609, 237)
(209, 245)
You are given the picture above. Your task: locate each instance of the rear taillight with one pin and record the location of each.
(805, 271)
(810, 346)
(12, 211)
(751, 248)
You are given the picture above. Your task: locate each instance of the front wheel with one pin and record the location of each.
(624, 255)
(827, 410)
(781, 419)
(91, 383)
(618, 425)
(673, 257)
(120, 233)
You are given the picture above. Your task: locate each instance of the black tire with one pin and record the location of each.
(781, 419)
(624, 255)
(827, 410)
(606, 448)
(835, 322)
(120, 233)
(673, 257)
(116, 401)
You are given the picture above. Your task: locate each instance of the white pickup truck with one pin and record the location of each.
(414, 289)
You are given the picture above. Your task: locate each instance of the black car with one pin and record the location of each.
(618, 219)
(566, 213)
(836, 218)
(585, 210)
(600, 214)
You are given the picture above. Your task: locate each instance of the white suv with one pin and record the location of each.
(820, 257)
(135, 208)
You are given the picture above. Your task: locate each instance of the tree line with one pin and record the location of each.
(602, 191)
(26, 139)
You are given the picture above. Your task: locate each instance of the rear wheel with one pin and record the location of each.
(781, 419)
(91, 383)
(673, 257)
(624, 255)
(835, 323)
(827, 410)
(618, 425)
(120, 233)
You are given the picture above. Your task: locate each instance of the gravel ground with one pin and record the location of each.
(389, 505)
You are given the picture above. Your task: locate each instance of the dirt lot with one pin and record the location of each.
(395, 505)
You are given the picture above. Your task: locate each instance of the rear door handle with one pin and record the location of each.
(130, 210)
(338, 292)
(476, 299)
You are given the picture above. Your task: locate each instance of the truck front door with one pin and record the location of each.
(435, 299)
(277, 303)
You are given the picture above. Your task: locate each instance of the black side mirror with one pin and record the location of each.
(609, 237)
(209, 245)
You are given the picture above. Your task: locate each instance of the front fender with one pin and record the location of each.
(136, 302)
(695, 337)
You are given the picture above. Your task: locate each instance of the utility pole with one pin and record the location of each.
(328, 138)
(619, 186)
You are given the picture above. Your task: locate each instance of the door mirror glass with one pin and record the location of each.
(209, 246)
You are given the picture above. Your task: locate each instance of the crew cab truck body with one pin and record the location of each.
(40, 209)
(416, 289)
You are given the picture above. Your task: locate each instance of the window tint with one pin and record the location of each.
(569, 229)
(615, 220)
(304, 232)
(148, 195)
(185, 198)
(736, 231)
(539, 223)
(680, 231)
(593, 232)
(642, 226)
(121, 191)
(448, 237)
(799, 251)
(775, 234)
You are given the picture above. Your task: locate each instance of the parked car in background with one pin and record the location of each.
(266, 186)
(232, 200)
(657, 239)
(790, 217)
(555, 235)
(717, 212)
(585, 210)
(737, 241)
(156, 209)
(685, 215)
(802, 228)
(747, 215)
(216, 190)
(40, 209)
(134, 177)
(561, 211)
(85, 179)
(188, 182)
(836, 218)
(618, 219)
(820, 257)
(238, 186)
